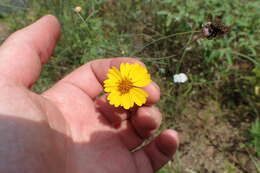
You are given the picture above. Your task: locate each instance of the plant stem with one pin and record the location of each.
(163, 38)
(247, 57)
(183, 55)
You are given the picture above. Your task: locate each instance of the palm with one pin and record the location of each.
(77, 131)
(98, 142)
(94, 138)
(92, 131)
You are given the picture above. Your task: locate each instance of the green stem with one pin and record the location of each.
(247, 57)
(162, 38)
(183, 55)
(78, 13)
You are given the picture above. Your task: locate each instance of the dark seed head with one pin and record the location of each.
(211, 30)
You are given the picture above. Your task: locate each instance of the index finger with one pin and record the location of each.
(22, 54)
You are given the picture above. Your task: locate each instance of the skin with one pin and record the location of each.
(68, 128)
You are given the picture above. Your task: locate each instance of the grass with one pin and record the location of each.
(165, 34)
(255, 135)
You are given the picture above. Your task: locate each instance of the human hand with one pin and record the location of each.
(69, 128)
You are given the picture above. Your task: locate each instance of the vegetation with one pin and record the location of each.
(215, 111)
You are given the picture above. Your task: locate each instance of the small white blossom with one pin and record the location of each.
(180, 78)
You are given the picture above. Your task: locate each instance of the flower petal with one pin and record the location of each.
(142, 82)
(139, 75)
(127, 101)
(114, 74)
(111, 89)
(125, 69)
(110, 84)
(114, 98)
(139, 96)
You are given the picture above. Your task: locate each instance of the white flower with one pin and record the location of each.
(180, 78)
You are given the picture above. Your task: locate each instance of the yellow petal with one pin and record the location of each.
(139, 96)
(110, 82)
(110, 85)
(114, 98)
(126, 101)
(139, 75)
(114, 74)
(124, 69)
(142, 82)
(111, 89)
(138, 69)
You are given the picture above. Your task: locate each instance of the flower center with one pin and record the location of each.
(124, 86)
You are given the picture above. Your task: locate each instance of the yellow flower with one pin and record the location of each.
(257, 90)
(123, 85)
(77, 9)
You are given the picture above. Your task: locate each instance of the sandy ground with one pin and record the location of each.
(212, 141)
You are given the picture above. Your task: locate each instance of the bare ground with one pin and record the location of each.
(212, 141)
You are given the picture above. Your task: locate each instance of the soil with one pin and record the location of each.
(211, 142)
